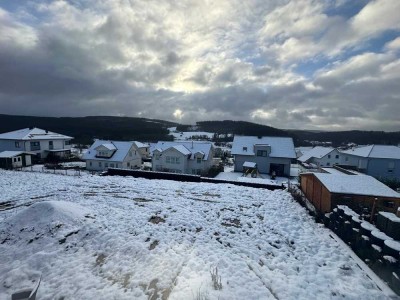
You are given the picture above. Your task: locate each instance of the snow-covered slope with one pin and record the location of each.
(126, 238)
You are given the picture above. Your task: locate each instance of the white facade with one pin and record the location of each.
(112, 154)
(183, 157)
(38, 141)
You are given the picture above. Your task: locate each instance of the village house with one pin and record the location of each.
(270, 154)
(42, 143)
(379, 161)
(190, 157)
(115, 154)
(327, 190)
(320, 157)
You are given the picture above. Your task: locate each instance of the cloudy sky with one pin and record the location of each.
(304, 64)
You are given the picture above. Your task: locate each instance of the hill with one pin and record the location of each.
(84, 129)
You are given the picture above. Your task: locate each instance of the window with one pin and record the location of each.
(172, 160)
(66, 143)
(117, 166)
(198, 171)
(329, 156)
(346, 159)
(337, 156)
(128, 164)
(198, 160)
(19, 158)
(262, 153)
(35, 146)
(245, 149)
(90, 163)
(156, 156)
(100, 164)
(106, 165)
(51, 145)
(168, 159)
(193, 171)
(130, 153)
(177, 160)
(328, 164)
(17, 145)
(111, 165)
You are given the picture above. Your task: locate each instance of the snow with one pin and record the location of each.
(395, 245)
(391, 216)
(355, 184)
(317, 152)
(119, 155)
(368, 226)
(188, 135)
(380, 235)
(375, 151)
(28, 134)
(132, 238)
(230, 175)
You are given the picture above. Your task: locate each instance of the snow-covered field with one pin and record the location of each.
(97, 237)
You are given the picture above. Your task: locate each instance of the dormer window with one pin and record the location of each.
(245, 149)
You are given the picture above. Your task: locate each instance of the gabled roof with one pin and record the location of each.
(182, 149)
(141, 145)
(8, 154)
(109, 146)
(27, 134)
(375, 151)
(122, 149)
(317, 152)
(189, 147)
(280, 146)
(355, 185)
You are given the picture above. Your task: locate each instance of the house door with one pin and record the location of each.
(278, 168)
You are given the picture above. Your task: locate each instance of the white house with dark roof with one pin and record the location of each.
(114, 154)
(271, 154)
(321, 156)
(187, 157)
(38, 141)
(380, 161)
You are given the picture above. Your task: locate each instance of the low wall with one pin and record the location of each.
(185, 178)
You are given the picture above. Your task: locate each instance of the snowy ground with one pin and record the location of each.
(230, 175)
(97, 237)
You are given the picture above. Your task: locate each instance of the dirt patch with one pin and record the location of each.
(156, 220)
(100, 259)
(62, 241)
(153, 245)
(41, 197)
(232, 223)
(90, 194)
(141, 200)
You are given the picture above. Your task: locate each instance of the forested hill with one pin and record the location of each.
(85, 129)
(338, 138)
(236, 127)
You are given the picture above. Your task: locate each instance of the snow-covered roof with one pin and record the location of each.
(7, 154)
(122, 149)
(28, 134)
(109, 146)
(249, 164)
(140, 145)
(317, 152)
(375, 151)
(280, 146)
(182, 149)
(355, 185)
(185, 147)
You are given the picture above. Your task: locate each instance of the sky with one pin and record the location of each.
(294, 64)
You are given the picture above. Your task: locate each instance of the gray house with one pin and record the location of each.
(271, 154)
(191, 157)
(380, 161)
(41, 142)
(321, 156)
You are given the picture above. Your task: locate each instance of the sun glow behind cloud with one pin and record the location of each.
(282, 63)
